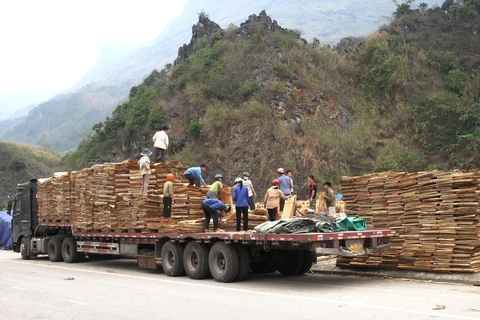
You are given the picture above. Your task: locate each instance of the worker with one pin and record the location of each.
(215, 187)
(168, 198)
(213, 208)
(285, 187)
(240, 197)
(144, 164)
(329, 199)
(251, 191)
(194, 175)
(272, 199)
(312, 199)
(290, 175)
(160, 144)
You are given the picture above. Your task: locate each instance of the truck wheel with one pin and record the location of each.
(54, 249)
(223, 262)
(243, 262)
(266, 266)
(308, 258)
(25, 249)
(290, 262)
(69, 250)
(195, 260)
(172, 259)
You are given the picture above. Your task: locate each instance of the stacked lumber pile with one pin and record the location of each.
(81, 199)
(45, 199)
(106, 198)
(434, 213)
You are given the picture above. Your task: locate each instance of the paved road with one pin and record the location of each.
(117, 289)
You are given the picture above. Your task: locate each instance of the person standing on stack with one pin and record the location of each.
(272, 199)
(144, 164)
(329, 199)
(212, 208)
(290, 175)
(215, 187)
(160, 144)
(313, 193)
(168, 198)
(194, 175)
(251, 192)
(285, 187)
(241, 199)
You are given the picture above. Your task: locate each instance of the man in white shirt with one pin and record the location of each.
(160, 144)
(251, 192)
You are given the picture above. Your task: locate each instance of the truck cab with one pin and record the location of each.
(24, 210)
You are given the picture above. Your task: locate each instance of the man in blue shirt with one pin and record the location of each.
(285, 186)
(194, 175)
(212, 208)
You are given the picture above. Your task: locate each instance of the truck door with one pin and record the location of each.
(22, 213)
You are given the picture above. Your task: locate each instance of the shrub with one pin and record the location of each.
(195, 127)
(456, 80)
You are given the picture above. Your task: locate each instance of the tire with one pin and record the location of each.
(69, 250)
(195, 260)
(290, 263)
(223, 262)
(260, 267)
(172, 259)
(25, 249)
(54, 249)
(243, 262)
(308, 258)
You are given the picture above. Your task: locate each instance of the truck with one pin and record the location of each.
(226, 256)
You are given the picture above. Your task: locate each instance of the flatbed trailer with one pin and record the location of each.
(226, 256)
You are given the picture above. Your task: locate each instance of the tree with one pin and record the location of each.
(403, 7)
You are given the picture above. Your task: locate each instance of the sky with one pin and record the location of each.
(48, 45)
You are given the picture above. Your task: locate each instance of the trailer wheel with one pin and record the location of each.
(54, 249)
(195, 260)
(244, 262)
(223, 262)
(290, 262)
(308, 258)
(69, 250)
(25, 249)
(172, 259)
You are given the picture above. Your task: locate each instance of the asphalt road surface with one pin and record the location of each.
(117, 289)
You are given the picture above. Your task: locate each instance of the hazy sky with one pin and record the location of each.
(47, 45)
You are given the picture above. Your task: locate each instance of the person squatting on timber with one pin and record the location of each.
(194, 176)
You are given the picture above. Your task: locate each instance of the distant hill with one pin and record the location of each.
(257, 97)
(110, 80)
(20, 162)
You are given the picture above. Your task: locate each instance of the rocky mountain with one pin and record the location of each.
(257, 97)
(108, 83)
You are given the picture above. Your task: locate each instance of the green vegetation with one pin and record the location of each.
(20, 162)
(408, 100)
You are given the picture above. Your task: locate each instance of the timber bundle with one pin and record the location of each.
(107, 198)
(435, 214)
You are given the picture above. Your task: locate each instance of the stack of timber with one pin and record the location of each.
(107, 198)
(45, 199)
(435, 214)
